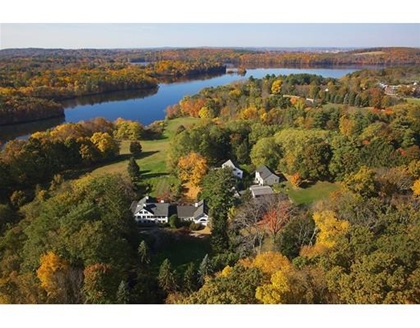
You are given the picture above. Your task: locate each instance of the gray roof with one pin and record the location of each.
(258, 191)
(157, 209)
(166, 209)
(185, 211)
(264, 172)
(189, 211)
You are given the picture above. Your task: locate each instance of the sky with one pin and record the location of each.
(140, 35)
(217, 23)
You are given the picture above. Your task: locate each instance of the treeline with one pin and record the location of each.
(17, 109)
(264, 97)
(24, 164)
(244, 57)
(56, 75)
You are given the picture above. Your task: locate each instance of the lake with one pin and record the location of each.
(147, 106)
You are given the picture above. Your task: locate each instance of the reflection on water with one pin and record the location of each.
(200, 77)
(148, 105)
(23, 130)
(109, 96)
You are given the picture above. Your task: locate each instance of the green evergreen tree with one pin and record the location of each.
(166, 277)
(135, 148)
(190, 279)
(204, 269)
(217, 191)
(144, 253)
(123, 293)
(133, 170)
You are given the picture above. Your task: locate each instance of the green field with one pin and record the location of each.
(310, 194)
(182, 250)
(413, 100)
(152, 161)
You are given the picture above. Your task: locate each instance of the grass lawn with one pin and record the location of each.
(182, 250)
(311, 194)
(413, 100)
(152, 161)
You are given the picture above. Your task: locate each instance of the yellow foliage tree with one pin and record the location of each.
(416, 187)
(329, 229)
(192, 168)
(268, 262)
(205, 112)
(276, 87)
(105, 144)
(249, 113)
(276, 292)
(52, 273)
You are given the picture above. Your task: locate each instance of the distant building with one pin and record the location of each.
(148, 211)
(236, 172)
(263, 176)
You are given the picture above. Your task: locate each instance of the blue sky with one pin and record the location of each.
(124, 35)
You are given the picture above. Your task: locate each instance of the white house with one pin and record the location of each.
(263, 176)
(147, 211)
(197, 213)
(237, 172)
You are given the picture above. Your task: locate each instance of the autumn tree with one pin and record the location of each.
(276, 87)
(100, 284)
(235, 285)
(278, 215)
(61, 282)
(416, 187)
(192, 168)
(329, 229)
(126, 129)
(105, 144)
(362, 182)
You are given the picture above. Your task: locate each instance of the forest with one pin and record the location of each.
(32, 84)
(69, 237)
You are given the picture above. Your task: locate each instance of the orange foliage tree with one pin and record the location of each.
(192, 168)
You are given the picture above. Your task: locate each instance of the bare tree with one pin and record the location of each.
(280, 211)
(255, 218)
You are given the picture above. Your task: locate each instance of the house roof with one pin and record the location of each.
(200, 209)
(185, 211)
(189, 211)
(158, 209)
(264, 172)
(166, 209)
(150, 205)
(258, 191)
(229, 163)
